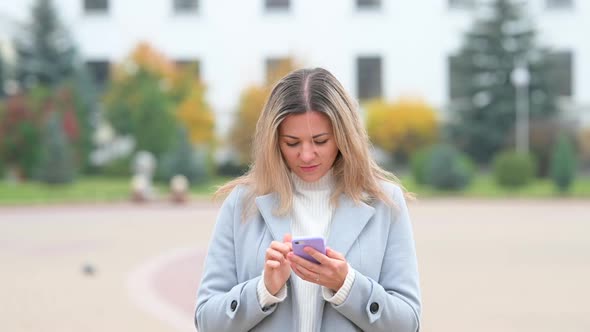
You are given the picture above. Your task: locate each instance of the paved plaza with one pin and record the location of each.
(486, 265)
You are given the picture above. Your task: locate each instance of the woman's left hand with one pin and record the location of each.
(330, 273)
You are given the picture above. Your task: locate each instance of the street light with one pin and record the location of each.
(520, 77)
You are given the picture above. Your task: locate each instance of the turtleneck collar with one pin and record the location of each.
(326, 182)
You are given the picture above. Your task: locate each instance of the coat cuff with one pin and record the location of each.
(265, 298)
(339, 297)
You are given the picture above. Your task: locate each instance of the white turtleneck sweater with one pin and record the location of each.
(311, 216)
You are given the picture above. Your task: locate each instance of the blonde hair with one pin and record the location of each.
(355, 172)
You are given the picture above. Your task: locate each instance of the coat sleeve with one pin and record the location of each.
(223, 303)
(393, 302)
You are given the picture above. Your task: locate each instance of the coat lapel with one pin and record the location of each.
(278, 225)
(348, 222)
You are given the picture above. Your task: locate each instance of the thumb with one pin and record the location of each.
(287, 237)
(334, 254)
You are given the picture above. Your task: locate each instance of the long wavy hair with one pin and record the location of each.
(355, 172)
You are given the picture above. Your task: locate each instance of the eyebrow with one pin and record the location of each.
(295, 137)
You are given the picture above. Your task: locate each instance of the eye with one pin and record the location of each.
(321, 142)
(291, 144)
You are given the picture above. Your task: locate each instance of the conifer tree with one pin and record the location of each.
(483, 109)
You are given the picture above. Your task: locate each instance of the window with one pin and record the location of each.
(560, 72)
(369, 82)
(277, 4)
(274, 68)
(559, 4)
(96, 6)
(368, 4)
(99, 70)
(192, 65)
(453, 77)
(462, 4)
(185, 6)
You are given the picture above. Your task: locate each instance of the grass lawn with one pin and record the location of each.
(483, 186)
(101, 189)
(86, 189)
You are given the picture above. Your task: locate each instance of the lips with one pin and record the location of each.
(309, 168)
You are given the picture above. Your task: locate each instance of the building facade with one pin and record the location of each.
(387, 48)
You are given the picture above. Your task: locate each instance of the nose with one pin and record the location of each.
(307, 153)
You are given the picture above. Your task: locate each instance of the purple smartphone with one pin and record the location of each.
(316, 242)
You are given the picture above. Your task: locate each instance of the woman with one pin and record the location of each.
(312, 175)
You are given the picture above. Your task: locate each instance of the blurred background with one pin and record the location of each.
(117, 123)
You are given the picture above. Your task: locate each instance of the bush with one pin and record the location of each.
(120, 167)
(584, 145)
(57, 159)
(446, 168)
(563, 163)
(513, 169)
(402, 127)
(418, 164)
(232, 169)
(184, 160)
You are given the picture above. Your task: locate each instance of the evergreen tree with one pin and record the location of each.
(563, 163)
(483, 110)
(45, 52)
(57, 162)
(184, 160)
(2, 76)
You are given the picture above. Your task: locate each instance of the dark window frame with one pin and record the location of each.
(461, 4)
(277, 5)
(363, 5)
(185, 62)
(178, 9)
(563, 77)
(89, 6)
(558, 5)
(100, 70)
(369, 87)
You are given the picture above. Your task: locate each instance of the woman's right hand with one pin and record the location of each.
(276, 266)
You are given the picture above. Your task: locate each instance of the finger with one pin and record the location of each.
(334, 254)
(304, 273)
(304, 263)
(323, 259)
(280, 247)
(272, 264)
(274, 255)
(287, 237)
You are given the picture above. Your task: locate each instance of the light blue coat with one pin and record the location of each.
(376, 240)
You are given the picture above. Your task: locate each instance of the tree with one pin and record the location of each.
(483, 110)
(19, 136)
(2, 76)
(196, 115)
(184, 160)
(139, 101)
(57, 160)
(402, 127)
(563, 163)
(250, 106)
(46, 54)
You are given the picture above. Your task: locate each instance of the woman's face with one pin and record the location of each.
(307, 144)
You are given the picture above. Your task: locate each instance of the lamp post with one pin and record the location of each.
(520, 77)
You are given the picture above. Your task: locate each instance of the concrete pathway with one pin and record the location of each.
(502, 265)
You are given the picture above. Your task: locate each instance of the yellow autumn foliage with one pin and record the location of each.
(184, 92)
(250, 106)
(403, 126)
(197, 116)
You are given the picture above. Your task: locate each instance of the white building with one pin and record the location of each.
(395, 47)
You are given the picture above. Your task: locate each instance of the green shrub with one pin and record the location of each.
(232, 169)
(418, 164)
(513, 169)
(563, 163)
(118, 168)
(447, 169)
(57, 164)
(184, 160)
